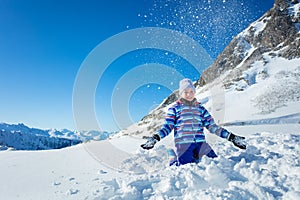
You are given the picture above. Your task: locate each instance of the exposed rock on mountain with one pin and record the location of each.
(277, 32)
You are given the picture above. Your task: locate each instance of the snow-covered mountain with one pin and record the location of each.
(21, 137)
(258, 72)
(275, 34)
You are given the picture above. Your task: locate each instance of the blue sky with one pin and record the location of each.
(44, 43)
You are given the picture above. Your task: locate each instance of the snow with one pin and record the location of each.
(294, 12)
(259, 26)
(268, 169)
(268, 87)
(204, 21)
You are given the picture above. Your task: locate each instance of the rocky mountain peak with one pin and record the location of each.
(277, 30)
(284, 4)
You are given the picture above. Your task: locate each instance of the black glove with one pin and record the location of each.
(238, 141)
(151, 142)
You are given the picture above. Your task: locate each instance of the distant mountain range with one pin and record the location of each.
(21, 137)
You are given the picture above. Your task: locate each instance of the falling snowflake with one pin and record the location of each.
(212, 23)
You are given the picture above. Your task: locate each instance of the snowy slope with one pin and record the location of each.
(268, 169)
(262, 92)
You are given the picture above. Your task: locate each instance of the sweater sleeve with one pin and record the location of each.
(209, 124)
(168, 124)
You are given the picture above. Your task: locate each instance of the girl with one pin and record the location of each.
(188, 118)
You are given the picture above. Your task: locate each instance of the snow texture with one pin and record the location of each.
(268, 169)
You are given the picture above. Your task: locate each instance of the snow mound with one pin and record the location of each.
(268, 169)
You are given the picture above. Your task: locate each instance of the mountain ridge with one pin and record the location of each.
(21, 137)
(277, 30)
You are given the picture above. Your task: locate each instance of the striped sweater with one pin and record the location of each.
(188, 120)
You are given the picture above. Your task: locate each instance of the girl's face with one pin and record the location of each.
(188, 94)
